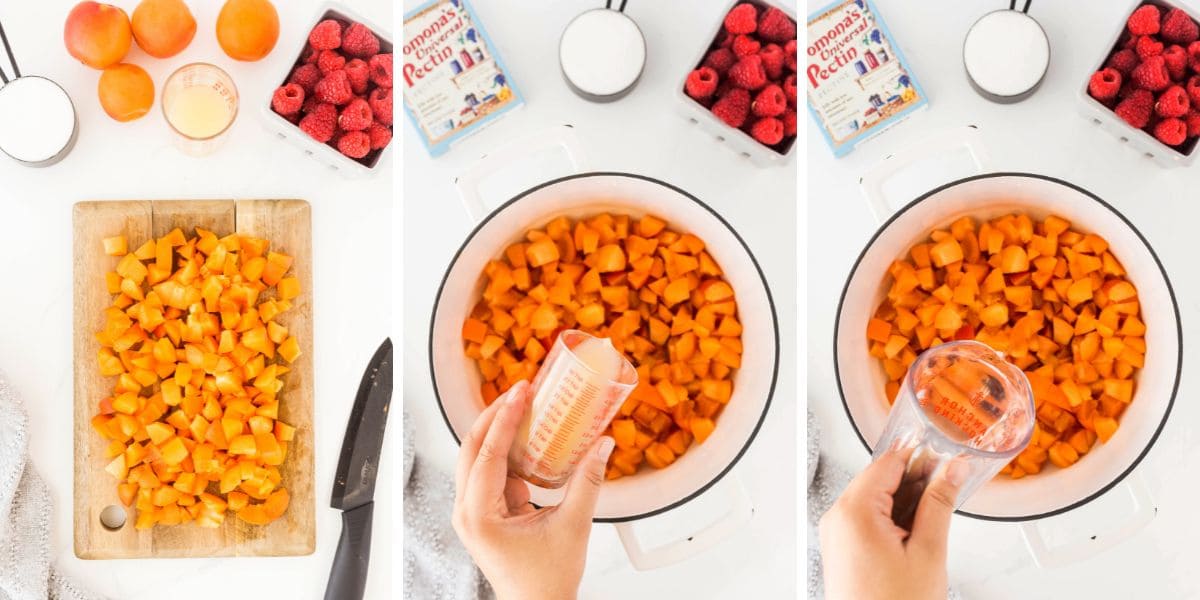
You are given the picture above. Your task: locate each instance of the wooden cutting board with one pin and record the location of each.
(287, 224)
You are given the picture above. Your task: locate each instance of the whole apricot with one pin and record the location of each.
(126, 92)
(163, 28)
(98, 35)
(247, 29)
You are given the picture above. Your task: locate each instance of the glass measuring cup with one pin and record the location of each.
(200, 103)
(576, 393)
(960, 401)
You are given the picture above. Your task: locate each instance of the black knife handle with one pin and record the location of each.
(348, 576)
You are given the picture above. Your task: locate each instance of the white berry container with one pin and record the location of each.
(291, 133)
(1107, 119)
(733, 138)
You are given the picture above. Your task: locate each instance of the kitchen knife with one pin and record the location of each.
(354, 486)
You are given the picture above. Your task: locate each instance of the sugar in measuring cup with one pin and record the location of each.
(576, 393)
(960, 401)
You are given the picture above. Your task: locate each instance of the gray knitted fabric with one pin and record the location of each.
(436, 565)
(25, 569)
(825, 483)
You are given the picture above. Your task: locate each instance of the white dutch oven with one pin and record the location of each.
(861, 379)
(456, 377)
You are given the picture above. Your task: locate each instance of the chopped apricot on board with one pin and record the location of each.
(1054, 300)
(190, 340)
(656, 293)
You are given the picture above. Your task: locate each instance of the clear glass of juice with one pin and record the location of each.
(576, 393)
(960, 401)
(200, 103)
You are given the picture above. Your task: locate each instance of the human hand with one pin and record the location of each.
(867, 556)
(525, 552)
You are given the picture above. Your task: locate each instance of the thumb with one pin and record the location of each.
(579, 504)
(931, 526)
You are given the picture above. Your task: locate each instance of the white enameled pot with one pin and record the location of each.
(457, 381)
(861, 378)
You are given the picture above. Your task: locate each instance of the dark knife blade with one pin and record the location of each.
(354, 484)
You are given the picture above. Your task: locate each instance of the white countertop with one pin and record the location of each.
(351, 246)
(1044, 134)
(641, 134)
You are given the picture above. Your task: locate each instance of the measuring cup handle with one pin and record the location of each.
(561, 137)
(735, 518)
(966, 137)
(1047, 556)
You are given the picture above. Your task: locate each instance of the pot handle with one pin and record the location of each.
(940, 145)
(1047, 556)
(737, 514)
(560, 137)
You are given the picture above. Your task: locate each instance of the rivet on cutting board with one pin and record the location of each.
(112, 517)
(602, 54)
(1006, 54)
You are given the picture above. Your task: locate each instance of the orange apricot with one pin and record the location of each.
(163, 28)
(126, 92)
(247, 29)
(98, 35)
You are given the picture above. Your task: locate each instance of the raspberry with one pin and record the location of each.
(701, 83)
(334, 88)
(742, 19)
(1177, 61)
(1193, 52)
(772, 58)
(306, 76)
(1147, 46)
(379, 135)
(1178, 27)
(381, 69)
(381, 105)
(327, 35)
(789, 123)
(744, 45)
(330, 61)
(720, 60)
(789, 55)
(1144, 20)
(768, 131)
(724, 39)
(309, 55)
(776, 26)
(1123, 61)
(770, 102)
(355, 144)
(1171, 132)
(321, 123)
(1193, 89)
(359, 74)
(288, 99)
(748, 73)
(789, 88)
(1104, 84)
(1136, 108)
(359, 42)
(356, 116)
(1151, 74)
(1193, 123)
(733, 107)
(1173, 103)
(310, 104)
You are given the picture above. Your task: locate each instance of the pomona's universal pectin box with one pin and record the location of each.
(858, 81)
(454, 81)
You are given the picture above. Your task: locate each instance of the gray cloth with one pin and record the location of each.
(436, 565)
(25, 569)
(825, 483)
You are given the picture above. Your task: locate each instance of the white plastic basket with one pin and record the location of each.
(734, 138)
(326, 154)
(1106, 119)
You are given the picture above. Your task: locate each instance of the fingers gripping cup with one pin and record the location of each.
(960, 402)
(576, 393)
